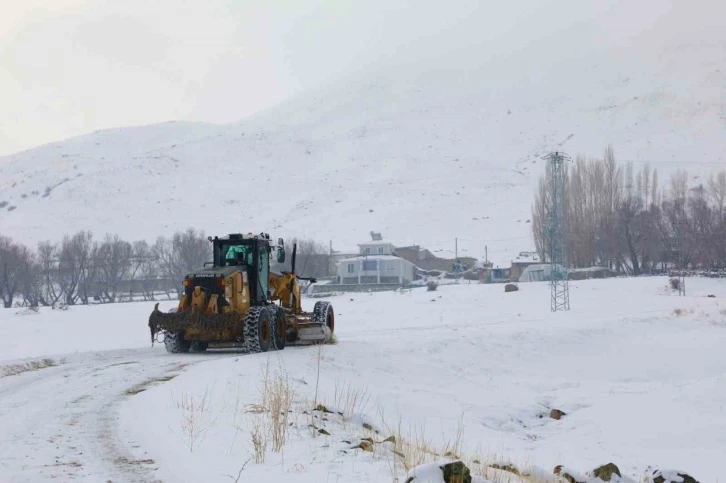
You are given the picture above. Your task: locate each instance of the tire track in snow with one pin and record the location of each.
(61, 422)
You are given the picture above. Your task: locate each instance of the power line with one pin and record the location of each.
(493, 240)
(655, 164)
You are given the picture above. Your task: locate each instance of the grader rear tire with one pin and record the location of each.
(279, 326)
(175, 343)
(258, 330)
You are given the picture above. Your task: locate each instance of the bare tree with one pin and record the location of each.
(675, 220)
(717, 193)
(75, 270)
(47, 259)
(15, 263)
(85, 252)
(628, 210)
(113, 265)
(182, 254)
(612, 214)
(31, 287)
(144, 269)
(540, 211)
(608, 240)
(69, 273)
(312, 258)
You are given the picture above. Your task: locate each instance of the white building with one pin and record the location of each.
(376, 263)
(538, 272)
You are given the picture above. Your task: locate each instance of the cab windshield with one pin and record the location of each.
(239, 254)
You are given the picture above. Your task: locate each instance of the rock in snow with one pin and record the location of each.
(452, 472)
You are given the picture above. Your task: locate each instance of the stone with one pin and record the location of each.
(366, 446)
(668, 477)
(560, 470)
(323, 409)
(605, 472)
(505, 467)
(557, 414)
(456, 472)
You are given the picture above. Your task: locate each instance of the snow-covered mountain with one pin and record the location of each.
(424, 149)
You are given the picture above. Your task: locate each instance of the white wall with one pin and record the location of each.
(397, 267)
(343, 268)
(378, 248)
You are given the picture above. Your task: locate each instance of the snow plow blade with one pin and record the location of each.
(207, 325)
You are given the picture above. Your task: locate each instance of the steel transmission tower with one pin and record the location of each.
(559, 286)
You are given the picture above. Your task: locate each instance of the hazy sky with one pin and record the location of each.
(68, 67)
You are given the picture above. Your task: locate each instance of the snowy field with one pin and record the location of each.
(637, 370)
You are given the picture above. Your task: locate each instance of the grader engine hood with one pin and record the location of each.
(211, 280)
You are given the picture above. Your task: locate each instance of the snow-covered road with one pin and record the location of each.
(60, 422)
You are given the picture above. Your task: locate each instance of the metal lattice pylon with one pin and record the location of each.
(559, 286)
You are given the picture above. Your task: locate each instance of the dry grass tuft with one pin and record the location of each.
(411, 446)
(678, 312)
(279, 406)
(350, 400)
(196, 418)
(259, 438)
(270, 421)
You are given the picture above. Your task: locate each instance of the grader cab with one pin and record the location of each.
(237, 301)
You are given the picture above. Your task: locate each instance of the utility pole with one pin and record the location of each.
(559, 286)
(330, 259)
(456, 258)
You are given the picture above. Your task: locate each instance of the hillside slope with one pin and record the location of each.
(424, 150)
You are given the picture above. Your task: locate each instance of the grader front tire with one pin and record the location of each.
(175, 343)
(258, 330)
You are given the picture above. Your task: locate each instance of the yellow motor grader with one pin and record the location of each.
(237, 301)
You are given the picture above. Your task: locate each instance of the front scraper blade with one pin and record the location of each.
(191, 319)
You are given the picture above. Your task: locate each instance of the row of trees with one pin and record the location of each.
(81, 270)
(622, 218)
